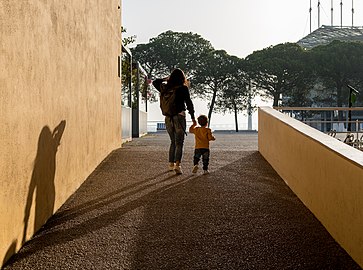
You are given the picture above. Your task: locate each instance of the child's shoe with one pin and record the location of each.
(177, 169)
(195, 169)
(171, 167)
(205, 172)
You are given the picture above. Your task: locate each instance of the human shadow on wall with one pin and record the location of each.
(42, 179)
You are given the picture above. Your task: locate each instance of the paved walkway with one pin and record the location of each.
(132, 213)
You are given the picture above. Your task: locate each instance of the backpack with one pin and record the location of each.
(167, 101)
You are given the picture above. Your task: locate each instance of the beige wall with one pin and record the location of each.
(59, 105)
(326, 174)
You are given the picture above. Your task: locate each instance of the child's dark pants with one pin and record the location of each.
(204, 153)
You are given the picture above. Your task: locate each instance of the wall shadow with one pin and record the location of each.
(42, 180)
(109, 198)
(11, 250)
(241, 216)
(63, 235)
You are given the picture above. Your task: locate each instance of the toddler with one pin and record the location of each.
(203, 135)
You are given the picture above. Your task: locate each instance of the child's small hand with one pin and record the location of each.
(191, 128)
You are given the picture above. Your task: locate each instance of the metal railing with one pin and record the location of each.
(342, 123)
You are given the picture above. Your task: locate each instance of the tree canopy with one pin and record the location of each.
(237, 94)
(170, 50)
(277, 70)
(339, 64)
(301, 77)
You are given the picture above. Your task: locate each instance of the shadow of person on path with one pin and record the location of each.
(42, 180)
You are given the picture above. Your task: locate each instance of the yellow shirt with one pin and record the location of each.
(202, 136)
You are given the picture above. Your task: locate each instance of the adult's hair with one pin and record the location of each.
(176, 78)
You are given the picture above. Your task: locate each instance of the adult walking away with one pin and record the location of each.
(174, 100)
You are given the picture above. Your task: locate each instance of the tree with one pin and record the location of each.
(278, 69)
(300, 91)
(127, 40)
(340, 63)
(237, 93)
(130, 78)
(149, 57)
(170, 50)
(211, 77)
(126, 73)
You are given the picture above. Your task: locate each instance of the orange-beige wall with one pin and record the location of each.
(326, 174)
(59, 105)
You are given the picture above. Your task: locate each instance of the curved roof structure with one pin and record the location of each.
(327, 34)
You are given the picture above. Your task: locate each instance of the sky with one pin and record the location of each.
(238, 26)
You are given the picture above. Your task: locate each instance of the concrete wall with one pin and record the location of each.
(126, 124)
(59, 106)
(326, 174)
(143, 123)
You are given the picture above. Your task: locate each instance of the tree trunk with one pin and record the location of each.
(235, 116)
(212, 106)
(276, 99)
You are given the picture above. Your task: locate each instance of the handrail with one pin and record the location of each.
(318, 108)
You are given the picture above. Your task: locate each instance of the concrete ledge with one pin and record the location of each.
(326, 174)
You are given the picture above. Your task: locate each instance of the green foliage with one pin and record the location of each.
(302, 77)
(224, 81)
(279, 70)
(129, 78)
(127, 40)
(338, 64)
(237, 95)
(218, 78)
(237, 91)
(170, 50)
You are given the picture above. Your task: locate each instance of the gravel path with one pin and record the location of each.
(131, 213)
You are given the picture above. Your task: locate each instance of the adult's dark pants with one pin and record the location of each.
(175, 127)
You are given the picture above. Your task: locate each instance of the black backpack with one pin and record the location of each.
(167, 101)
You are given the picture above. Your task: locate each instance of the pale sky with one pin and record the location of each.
(237, 26)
